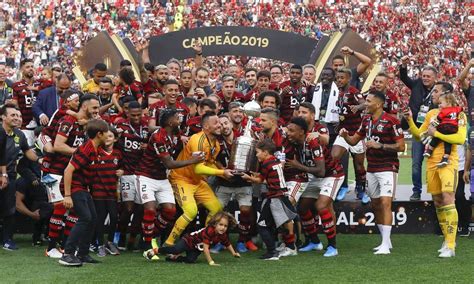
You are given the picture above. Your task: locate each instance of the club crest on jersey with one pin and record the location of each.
(115, 161)
(64, 128)
(379, 128)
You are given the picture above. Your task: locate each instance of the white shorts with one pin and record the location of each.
(54, 190)
(243, 195)
(359, 148)
(154, 190)
(328, 186)
(30, 136)
(128, 188)
(381, 184)
(43, 140)
(296, 189)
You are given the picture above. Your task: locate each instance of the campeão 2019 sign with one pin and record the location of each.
(240, 41)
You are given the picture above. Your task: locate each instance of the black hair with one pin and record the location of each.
(134, 105)
(300, 122)
(100, 67)
(267, 145)
(186, 71)
(250, 69)
(202, 69)
(273, 94)
(24, 61)
(208, 103)
(379, 95)
(125, 62)
(205, 117)
(264, 73)
(114, 131)
(86, 98)
(149, 67)
(3, 109)
(330, 69)
(96, 126)
(188, 101)
(171, 82)
(127, 99)
(165, 116)
(127, 76)
(338, 57)
(309, 106)
(447, 87)
(296, 66)
(276, 66)
(106, 80)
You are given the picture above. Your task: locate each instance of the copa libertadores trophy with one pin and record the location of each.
(243, 158)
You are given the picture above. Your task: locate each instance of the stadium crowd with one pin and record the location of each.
(166, 138)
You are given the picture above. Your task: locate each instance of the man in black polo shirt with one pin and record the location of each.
(15, 141)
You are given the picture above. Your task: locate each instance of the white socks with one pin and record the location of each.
(386, 230)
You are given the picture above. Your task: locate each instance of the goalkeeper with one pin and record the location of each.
(189, 183)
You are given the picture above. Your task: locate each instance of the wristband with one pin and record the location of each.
(211, 262)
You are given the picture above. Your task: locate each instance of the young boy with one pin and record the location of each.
(79, 176)
(104, 193)
(276, 210)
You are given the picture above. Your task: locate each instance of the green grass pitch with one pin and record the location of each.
(413, 259)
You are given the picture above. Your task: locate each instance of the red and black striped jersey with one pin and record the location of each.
(135, 90)
(151, 86)
(236, 97)
(307, 154)
(348, 119)
(182, 110)
(193, 126)
(75, 135)
(333, 168)
(84, 160)
(130, 143)
(207, 235)
(53, 122)
(319, 128)
(298, 94)
(386, 130)
(26, 99)
(252, 95)
(159, 146)
(105, 186)
(310, 153)
(391, 104)
(271, 171)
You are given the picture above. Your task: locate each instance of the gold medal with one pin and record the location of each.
(341, 118)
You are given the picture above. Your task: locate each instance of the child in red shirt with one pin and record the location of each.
(200, 241)
(79, 176)
(446, 123)
(104, 192)
(277, 210)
